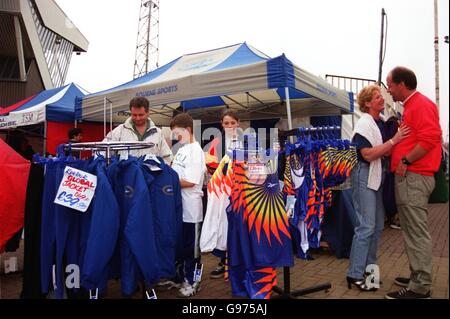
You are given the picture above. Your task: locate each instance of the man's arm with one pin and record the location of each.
(416, 154)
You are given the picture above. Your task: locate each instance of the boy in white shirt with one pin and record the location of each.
(189, 163)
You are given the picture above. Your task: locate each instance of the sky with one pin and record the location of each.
(320, 36)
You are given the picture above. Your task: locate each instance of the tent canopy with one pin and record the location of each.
(238, 77)
(50, 105)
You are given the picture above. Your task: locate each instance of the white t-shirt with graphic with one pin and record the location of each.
(189, 163)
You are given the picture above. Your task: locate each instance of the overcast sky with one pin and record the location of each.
(320, 36)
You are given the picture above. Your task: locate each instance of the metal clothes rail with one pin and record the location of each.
(107, 147)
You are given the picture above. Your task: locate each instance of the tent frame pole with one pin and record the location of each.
(288, 111)
(288, 108)
(45, 137)
(110, 116)
(104, 117)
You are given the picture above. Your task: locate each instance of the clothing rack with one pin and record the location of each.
(107, 147)
(308, 130)
(285, 292)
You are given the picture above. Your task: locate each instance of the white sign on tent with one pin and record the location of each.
(7, 122)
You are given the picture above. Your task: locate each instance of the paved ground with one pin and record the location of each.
(325, 268)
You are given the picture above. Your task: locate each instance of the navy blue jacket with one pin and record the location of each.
(136, 236)
(101, 223)
(71, 237)
(165, 190)
(60, 230)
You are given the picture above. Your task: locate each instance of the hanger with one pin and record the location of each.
(152, 157)
(93, 294)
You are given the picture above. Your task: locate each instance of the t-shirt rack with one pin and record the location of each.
(285, 292)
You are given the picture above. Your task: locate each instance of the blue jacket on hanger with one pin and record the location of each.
(165, 190)
(70, 237)
(60, 229)
(101, 225)
(136, 236)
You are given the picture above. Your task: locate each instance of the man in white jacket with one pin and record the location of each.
(139, 127)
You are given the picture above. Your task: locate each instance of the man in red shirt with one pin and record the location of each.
(414, 161)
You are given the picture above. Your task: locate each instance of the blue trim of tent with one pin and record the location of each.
(280, 73)
(41, 97)
(293, 94)
(64, 109)
(244, 55)
(78, 108)
(351, 97)
(202, 102)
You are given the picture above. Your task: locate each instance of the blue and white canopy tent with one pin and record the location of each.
(237, 77)
(44, 111)
(56, 105)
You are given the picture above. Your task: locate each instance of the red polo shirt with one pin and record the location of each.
(422, 116)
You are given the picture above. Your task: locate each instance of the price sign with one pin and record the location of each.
(76, 190)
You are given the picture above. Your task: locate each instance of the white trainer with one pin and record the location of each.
(189, 290)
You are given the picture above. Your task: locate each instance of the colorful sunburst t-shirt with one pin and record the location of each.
(258, 231)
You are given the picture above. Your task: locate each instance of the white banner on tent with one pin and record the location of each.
(29, 118)
(32, 115)
(7, 122)
(22, 119)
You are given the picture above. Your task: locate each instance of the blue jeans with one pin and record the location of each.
(369, 211)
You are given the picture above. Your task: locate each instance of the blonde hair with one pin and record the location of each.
(366, 95)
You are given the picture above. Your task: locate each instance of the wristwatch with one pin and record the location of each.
(405, 161)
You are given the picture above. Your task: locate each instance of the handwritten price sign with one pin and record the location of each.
(76, 190)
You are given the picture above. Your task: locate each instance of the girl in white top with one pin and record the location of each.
(215, 225)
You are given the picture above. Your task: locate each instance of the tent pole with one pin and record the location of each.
(104, 117)
(288, 108)
(45, 138)
(110, 118)
(288, 111)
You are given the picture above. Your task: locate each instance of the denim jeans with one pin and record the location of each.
(369, 211)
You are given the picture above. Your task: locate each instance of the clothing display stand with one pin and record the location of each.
(107, 147)
(285, 292)
(301, 131)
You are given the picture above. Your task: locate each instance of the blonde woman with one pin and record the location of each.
(367, 180)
